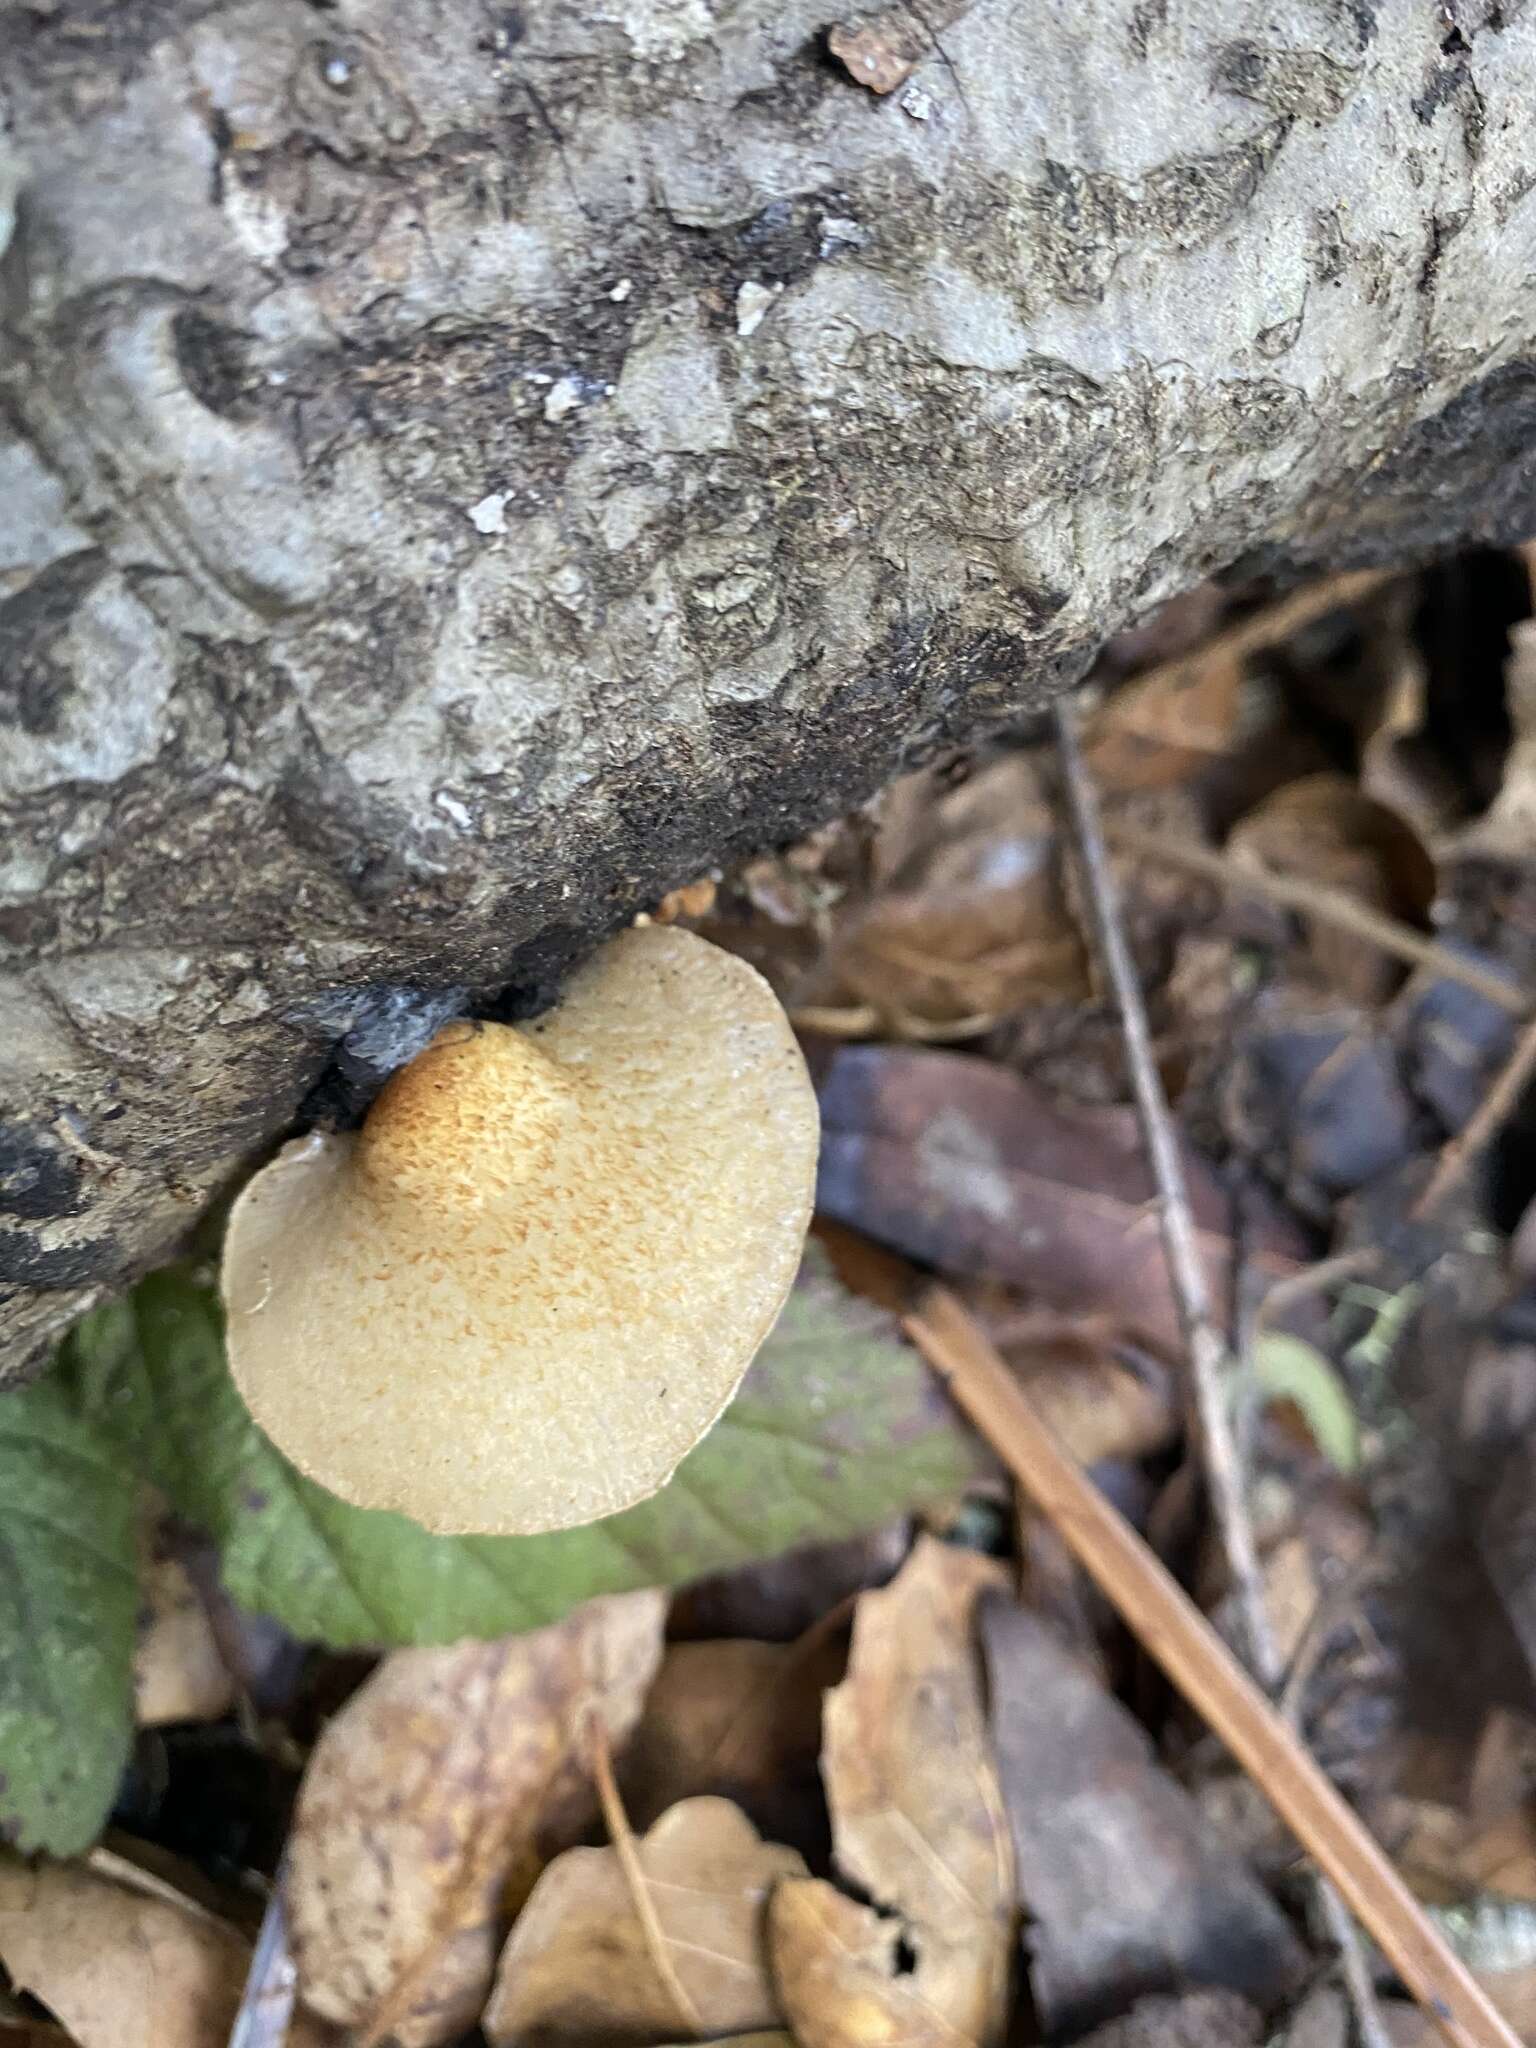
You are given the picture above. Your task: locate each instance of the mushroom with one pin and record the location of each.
(529, 1285)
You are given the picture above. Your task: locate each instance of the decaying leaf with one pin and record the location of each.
(739, 1718)
(68, 1597)
(841, 1969)
(1324, 829)
(973, 1169)
(1125, 1888)
(917, 1824)
(966, 915)
(422, 1803)
(579, 1971)
(1101, 1396)
(121, 1969)
(1164, 726)
(837, 1427)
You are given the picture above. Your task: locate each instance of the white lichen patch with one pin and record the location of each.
(754, 302)
(490, 515)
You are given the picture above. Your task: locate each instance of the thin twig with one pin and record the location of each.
(266, 2004)
(1281, 1296)
(1177, 1635)
(622, 1836)
(1208, 1354)
(1329, 906)
(1501, 1100)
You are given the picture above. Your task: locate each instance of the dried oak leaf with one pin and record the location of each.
(580, 1969)
(423, 1803)
(123, 1969)
(918, 1825)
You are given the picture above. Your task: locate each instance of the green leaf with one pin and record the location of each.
(837, 1427)
(68, 1606)
(1289, 1369)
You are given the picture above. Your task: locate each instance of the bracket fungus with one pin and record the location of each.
(528, 1286)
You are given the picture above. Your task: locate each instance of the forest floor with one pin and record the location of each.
(965, 1768)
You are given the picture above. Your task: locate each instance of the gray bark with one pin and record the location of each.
(466, 468)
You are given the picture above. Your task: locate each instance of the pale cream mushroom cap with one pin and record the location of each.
(528, 1286)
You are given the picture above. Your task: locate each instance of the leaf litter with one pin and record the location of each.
(886, 1768)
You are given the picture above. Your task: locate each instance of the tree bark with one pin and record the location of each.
(467, 468)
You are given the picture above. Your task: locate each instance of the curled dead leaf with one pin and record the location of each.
(423, 1803)
(1324, 829)
(967, 916)
(578, 1971)
(120, 1968)
(917, 1823)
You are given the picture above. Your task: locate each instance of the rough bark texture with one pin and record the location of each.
(467, 467)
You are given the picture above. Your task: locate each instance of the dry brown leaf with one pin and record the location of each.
(178, 1673)
(917, 1824)
(121, 1969)
(740, 1718)
(1102, 1397)
(975, 1170)
(578, 1968)
(423, 1802)
(1323, 829)
(1161, 728)
(1125, 1885)
(967, 916)
(840, 1971)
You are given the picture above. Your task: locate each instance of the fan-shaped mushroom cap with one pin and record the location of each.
(526, 1288)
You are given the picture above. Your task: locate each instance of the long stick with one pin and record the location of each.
(1208, 1354)
(1174, 1632)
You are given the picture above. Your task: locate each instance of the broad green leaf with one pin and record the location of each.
(837, 1427)
(68, 1604)
(1289, 1369)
